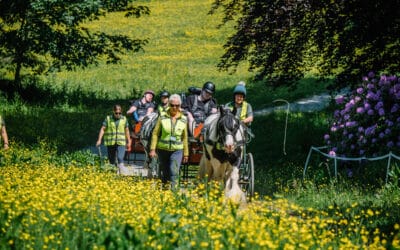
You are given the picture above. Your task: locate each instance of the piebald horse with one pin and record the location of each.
(224, 138)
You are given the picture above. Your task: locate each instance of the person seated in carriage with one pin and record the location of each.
(198, 107)
(162, 107)
(140, 108)
(241, 108)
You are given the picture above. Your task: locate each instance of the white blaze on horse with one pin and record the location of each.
(224, 139)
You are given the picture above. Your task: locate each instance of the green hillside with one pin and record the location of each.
(183, 49)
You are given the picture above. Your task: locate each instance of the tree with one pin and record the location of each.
(48, 34)
(282, 39)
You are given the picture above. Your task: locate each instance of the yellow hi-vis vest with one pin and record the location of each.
(171, 134)
(243, 112)
(115, 135)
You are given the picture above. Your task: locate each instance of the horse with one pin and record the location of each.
(224, 139)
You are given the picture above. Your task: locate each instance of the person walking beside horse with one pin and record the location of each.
(4, 135)
(115, 130)
(170, 139)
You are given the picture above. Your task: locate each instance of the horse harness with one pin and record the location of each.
(217, 146)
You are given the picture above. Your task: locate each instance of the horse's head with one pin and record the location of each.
(227, 129)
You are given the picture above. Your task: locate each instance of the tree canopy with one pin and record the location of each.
(283, 39)
(48, 34)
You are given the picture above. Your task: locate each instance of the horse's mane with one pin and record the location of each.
(210, 127)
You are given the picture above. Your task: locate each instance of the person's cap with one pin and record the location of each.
(209, 87)
(164, 94)
(149, 91)
(240, 88)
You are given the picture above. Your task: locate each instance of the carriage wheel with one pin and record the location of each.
(247, 175)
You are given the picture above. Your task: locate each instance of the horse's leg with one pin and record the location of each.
(205, 168)
(218, 170)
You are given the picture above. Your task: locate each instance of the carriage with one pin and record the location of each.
(138, 158)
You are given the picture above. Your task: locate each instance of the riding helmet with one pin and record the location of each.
(209, 87)
(240, 88)
(164, 93)
(149, 91)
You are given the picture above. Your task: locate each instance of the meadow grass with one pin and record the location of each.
(69, 201)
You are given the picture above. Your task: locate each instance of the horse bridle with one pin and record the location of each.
(222, 131)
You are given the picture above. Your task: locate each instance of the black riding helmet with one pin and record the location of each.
(209, 87)
(164, 93)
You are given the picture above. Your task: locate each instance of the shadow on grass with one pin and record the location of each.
(276, 165)
(68, 118)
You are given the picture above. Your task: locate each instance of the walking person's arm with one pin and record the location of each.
(101, 133)
(154, 138)
(4, 136)
(128, 139)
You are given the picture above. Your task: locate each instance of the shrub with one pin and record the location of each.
(366, 122)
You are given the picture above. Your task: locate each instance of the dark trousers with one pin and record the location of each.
(170, 162)
(116, 152)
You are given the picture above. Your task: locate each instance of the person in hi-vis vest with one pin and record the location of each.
(163, 105)
(115, 130)
(3, 136)
(239, 105)
(170, 139)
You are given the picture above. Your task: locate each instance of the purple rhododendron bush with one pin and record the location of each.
(366, 122)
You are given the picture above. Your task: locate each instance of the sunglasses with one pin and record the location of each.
(174, 105)
(117, 113)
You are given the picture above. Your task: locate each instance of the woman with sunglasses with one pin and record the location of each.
(115, 129)
(170, 139)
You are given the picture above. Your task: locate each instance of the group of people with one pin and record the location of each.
(177, 121)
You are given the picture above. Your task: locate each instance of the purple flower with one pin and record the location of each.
(396, 87)
(371, 112)
(370, 95)
(389, 123)
(367, 106)
(351, 124)
(387, 131)
(346, 117)
(336, 114)
(379, 105)
(360, 129)
(360, 91)
(350, 136)
(340, 100)
(370, 86)
(381, 112)
(360, 110)
(326, 137)
(390, 144)
(362, 152)
(395, 108)
(374, 140)
(371, 74)
(370, 130)
(381, 135)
